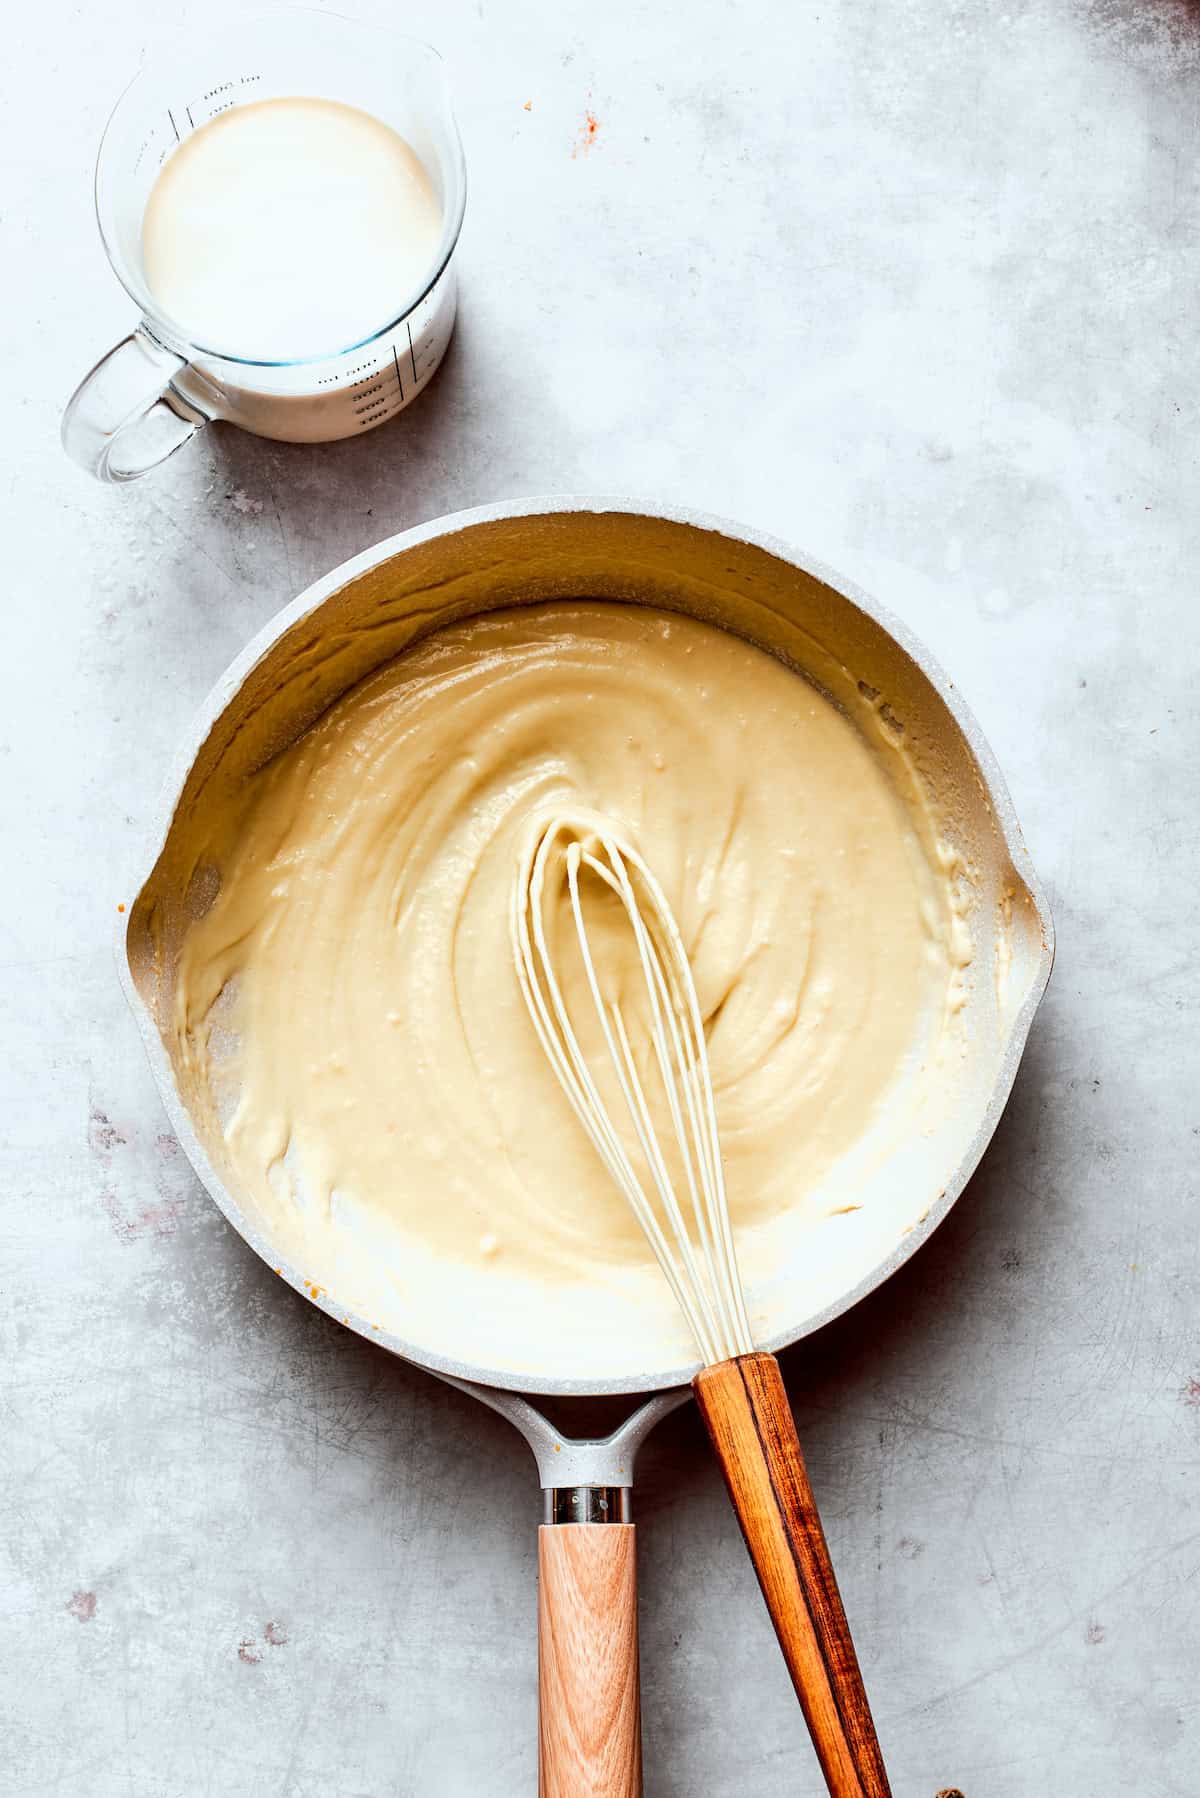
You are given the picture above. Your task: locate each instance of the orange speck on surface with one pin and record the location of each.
(120, 908)
(529, 105)
(587, 133)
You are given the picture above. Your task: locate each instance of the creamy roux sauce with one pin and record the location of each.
(350, 993)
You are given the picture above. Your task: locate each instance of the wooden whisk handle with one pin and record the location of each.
(746, 1411)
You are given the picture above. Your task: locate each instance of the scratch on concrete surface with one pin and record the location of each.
(283, 542)
(1044, 1640)
(194, 542)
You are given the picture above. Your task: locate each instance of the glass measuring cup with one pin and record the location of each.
(154, 391)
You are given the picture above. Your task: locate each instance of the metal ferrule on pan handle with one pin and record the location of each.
(587, 1504)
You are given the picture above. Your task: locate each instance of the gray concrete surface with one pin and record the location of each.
(917, 287)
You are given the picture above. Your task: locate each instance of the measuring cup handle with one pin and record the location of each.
(125, 417)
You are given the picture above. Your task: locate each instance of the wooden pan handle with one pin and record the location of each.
(589, 1705)
(745, 1408)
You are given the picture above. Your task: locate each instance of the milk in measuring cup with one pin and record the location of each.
(288, 229)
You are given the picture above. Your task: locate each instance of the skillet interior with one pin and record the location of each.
(368, 612)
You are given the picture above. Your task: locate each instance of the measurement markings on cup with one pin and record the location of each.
(372, 399)
(371, 403)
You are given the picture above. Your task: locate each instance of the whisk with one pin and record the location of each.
(665, 1157)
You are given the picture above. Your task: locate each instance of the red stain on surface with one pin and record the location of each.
(587, 133)
(82, 1605)
(161, 1219)
(115, 1151)
(1191, 1393)
(1094, 1634)
(103, 1136)
(248, 1651)
(275, 1633)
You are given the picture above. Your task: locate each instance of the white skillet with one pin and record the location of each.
(366, 612)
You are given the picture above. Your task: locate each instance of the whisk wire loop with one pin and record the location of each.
(700, 1263)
